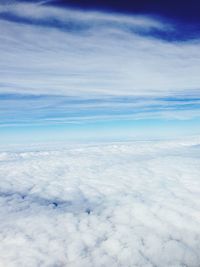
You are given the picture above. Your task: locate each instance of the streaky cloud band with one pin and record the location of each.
(19, 109)
(95, 60)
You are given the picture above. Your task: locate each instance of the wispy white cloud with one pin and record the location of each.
(52, 51)
(38, 11)
(47, 110)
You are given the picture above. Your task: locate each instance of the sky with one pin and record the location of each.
(98, 70)
(75, 77)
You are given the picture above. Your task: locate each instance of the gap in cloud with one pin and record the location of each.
(98, 131)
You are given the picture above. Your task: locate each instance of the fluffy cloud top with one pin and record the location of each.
(125, 204)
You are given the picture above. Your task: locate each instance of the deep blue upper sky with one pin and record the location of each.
(184, 14)
(182, 10)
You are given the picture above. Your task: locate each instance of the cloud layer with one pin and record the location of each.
(93, 55)
(128, 204)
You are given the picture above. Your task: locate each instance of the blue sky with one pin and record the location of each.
(98, 71)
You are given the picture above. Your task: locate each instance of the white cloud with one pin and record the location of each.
(119, 204)
(111, 57)
(94, 55)
(38, 11)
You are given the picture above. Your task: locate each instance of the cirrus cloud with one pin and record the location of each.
(68, 53)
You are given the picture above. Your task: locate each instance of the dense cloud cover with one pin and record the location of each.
(118, 204)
